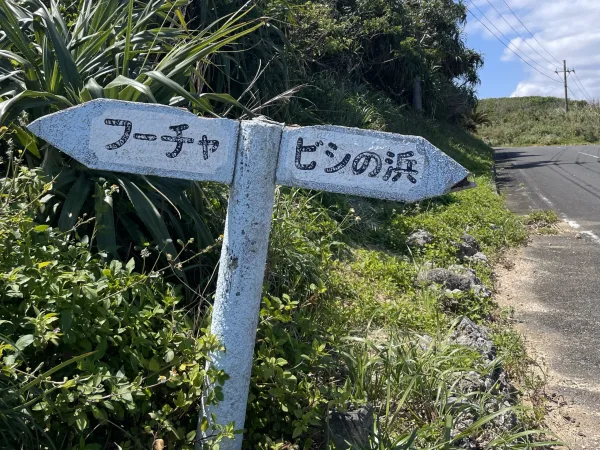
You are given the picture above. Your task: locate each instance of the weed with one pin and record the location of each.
(542, 221)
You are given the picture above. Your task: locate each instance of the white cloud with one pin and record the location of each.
(568, 29)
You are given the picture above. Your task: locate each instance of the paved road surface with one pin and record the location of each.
(566, 179)
(558, 284)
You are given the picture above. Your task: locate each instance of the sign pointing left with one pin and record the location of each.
(145, 139)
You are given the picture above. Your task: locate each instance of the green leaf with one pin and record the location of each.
(16, 37)
(81, 420)
(10, 109)
(162, 79)
(128, 30)
(41, 228)
(27, 140)
(66, 320)
(41, 265)
(11, 56)
(177, 194)
(92, 90)
(24, 341)
(180, 400)
(153, 365)
(297, 431)
(150, 216)
(74, 202)
(98, 413)
(203, 425)
(169, 356)
(125, 81)
(181, 18)
(68, 68)
(105, 221)
(90, 293)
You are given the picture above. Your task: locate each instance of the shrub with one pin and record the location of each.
(144, 367)
(56, 57)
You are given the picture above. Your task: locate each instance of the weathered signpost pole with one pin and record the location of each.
(242, 266)
(252, 157)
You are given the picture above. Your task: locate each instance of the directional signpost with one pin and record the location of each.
(250, 156)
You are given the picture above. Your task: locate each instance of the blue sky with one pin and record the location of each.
(568, 29)
(498, 78)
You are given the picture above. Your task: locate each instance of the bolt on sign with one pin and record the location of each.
(251, 156)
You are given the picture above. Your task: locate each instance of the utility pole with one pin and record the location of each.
(566, 73)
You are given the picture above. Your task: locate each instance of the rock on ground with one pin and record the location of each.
(455, 277)
(351, 429)
(477, 337)
(468, 247)
(419, 239)
(479, 258)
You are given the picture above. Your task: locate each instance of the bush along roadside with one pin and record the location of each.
(375, 318)
(94, 354)
(396, 343)
(378, 325)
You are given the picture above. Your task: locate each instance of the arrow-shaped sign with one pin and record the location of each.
(160, 140)
(143, 138)
(251, 156)
(366, 163)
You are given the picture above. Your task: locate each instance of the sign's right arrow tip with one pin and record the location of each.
(464, 184)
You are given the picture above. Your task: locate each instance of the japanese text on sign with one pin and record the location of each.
(206, 144)
(173, 144)
(398, 163)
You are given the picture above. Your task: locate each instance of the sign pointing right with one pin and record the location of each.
(366, 163)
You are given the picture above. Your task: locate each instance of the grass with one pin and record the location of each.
(346, 331)
(342, 315)
(542, 221)
(531, 121)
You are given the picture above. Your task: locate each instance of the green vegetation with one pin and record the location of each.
(106, 280)
(529, 121)
(138, 363)
(542, 221)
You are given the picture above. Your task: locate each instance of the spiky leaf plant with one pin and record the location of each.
(55, 57)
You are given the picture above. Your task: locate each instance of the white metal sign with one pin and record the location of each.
(170, 142)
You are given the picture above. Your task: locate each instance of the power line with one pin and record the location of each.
(507, 39)
(590, 98)
(532, 35)
(573, 94)
(519, 34)
(581, 91)
(503, 43)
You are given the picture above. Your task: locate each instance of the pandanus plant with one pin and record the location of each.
(54, 57)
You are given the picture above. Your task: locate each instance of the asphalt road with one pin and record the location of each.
(556, 280)
(566, 179)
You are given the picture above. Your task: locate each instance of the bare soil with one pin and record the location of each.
(573, 409)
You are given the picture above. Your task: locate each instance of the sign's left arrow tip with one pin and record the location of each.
(67, 130)
(35, 127)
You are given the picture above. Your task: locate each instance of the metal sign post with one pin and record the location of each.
(251, 157)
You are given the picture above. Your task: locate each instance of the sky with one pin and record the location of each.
(568, 29)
